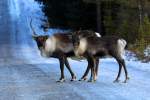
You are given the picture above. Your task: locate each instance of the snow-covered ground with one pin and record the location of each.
(28, 76)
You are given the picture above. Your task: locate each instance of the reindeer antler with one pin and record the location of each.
(46, 26)
(34, 33)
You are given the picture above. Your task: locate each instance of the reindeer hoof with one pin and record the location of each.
(73, 78)
(61, 80)
(91, 80)
(125, 81)
(116, 81)
(83, 79)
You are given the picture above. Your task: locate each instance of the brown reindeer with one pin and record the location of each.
(75, 40)
(59, 46)
(94, 47)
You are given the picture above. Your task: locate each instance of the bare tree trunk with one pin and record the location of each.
(140, 11)
(98, 8)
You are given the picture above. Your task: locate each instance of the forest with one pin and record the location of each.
(129, 19)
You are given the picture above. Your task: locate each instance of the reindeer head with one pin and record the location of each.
(40, 40)
(77, 35)
(75, 39)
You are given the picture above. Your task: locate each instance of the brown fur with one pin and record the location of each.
(99, 47)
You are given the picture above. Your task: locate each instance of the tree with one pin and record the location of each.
(99, 19)
(98, 13)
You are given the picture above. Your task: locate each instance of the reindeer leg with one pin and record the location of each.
(69, 68)
(117, 78)
(90, 65)
(120, 67)
(91, 77)
(126, 73)
(84, 77)
(96, 69)
(62, 78)
(97, 63)
(93, 73)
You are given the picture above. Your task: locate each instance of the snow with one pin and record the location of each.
(137, 88)
(147, 51)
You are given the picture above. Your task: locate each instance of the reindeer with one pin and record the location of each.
(75, 40)
(59, 46)
(94, 47)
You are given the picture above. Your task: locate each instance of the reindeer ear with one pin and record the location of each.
(34, 37)
(46, 37)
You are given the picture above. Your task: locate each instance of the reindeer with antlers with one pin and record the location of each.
(60, 46)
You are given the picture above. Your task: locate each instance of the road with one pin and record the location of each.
(24, 75)
(20, 80)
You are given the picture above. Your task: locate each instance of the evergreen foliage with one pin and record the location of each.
(126, 18)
